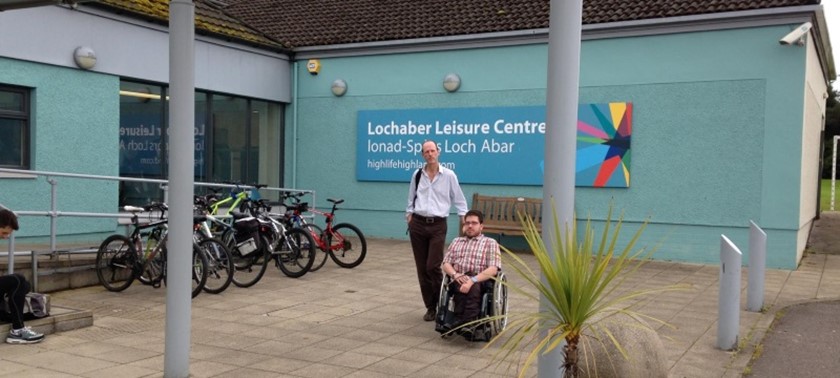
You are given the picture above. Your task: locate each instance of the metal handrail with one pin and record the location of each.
(54, 213)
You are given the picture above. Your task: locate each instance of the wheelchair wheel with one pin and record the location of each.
(443, 313)
(500, 304)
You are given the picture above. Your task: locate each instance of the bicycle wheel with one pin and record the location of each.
(219, 265)
(249, 268)
(296, 253)
(348, 246)
(115, 261)
(153, 270)
(198, 271)
(320, 254)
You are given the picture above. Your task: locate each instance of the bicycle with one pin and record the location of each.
(344, 242)
(293, 247)
(248, 269)
(121, 259)
(238, 196)
(220, 268)
(255, 239)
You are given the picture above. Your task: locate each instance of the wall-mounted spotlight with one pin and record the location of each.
(339, 87)
(84, 57)
(797, 36)
(451, 82)
(313, 66)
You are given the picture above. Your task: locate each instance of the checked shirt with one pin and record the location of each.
(473, 254)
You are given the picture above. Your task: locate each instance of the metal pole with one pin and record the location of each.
(833, 170)
(560, 136)
(729, 296)
(181, 180)
(755, 278)
(11, 267)
(295, 126)
(165, 189)
(53, 232)
(53, 212)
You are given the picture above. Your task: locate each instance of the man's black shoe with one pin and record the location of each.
(467, 332)
(459, 322)
(430, 315)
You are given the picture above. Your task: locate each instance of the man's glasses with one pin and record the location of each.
(472, 223)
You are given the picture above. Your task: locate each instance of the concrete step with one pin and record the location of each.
(61, 319)
(57, 272)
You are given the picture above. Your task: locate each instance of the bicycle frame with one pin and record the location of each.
(237, 196)
(205, 228)
(329, 217)
(298, 221)
(335, 240)
(278, 229)
(145, 256)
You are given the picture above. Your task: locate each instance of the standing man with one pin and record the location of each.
(433, 191)
(15, 287)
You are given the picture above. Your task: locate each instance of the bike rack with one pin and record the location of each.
(53, 213)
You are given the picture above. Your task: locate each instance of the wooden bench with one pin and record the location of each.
(500, 213)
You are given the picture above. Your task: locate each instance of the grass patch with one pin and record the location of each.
(825, 195)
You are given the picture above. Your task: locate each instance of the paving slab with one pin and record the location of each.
(349, 322)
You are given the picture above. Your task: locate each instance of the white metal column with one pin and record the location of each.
(560, 135)
(176, 363)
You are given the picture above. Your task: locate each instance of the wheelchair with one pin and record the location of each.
(494, 302)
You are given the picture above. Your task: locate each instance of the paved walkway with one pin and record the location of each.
(367, 322)
(804, 339)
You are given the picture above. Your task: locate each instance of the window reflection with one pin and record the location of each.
(14, 127)
(230, 147)
(236, 140)
(142, 141)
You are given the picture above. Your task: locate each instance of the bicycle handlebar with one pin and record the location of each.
(154, 206)
(150, 207)
(206, 200)
(293, 195)
(304, 206)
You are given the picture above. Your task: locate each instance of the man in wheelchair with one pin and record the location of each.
(470, 265)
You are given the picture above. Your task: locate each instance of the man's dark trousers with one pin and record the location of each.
(467, 305)
(428, 240)
(15, 287)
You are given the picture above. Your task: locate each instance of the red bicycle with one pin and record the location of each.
(344, 242)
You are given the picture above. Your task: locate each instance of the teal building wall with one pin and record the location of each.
(717, 132)
(717, 139)
(74, 129)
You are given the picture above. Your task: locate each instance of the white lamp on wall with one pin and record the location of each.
(339, 87)
(85, 57)
(451, 82)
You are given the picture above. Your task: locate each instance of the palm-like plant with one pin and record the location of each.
(577, 278)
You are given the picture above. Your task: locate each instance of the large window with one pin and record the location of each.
(142, 141)
(14, 127)
(236, 140)
(230, 139)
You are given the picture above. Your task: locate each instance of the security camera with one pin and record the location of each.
(797, 36)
